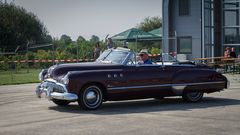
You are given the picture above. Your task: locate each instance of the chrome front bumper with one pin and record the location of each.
(54, 90)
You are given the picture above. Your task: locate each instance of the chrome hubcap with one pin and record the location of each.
(91, 97)
(195, 95)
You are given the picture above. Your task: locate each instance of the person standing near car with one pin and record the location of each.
(227, 52)
(233, 53)
(109, 43)
(96, 51)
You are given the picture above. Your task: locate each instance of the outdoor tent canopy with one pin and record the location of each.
(157, 32)
(135, 34)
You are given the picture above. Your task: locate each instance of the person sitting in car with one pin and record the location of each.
(144, 58)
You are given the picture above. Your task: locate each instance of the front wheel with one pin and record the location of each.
(90, 97)
(192, 96)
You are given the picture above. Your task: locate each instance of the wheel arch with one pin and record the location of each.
(203, 79)
(100, 85)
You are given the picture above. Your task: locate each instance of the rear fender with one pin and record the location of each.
(194, 80)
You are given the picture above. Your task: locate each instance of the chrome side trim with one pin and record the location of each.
(138, 87)
(178, 89)
(163, 85)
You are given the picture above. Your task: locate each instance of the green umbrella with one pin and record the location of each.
(135, 34)
(157, 32)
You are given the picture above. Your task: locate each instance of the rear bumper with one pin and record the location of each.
(53, 90)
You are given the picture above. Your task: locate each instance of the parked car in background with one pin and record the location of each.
(117, 75)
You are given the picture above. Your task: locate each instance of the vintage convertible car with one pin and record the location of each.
(116, 75)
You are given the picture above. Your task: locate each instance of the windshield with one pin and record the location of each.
(103, 55)
(123, 56)
(115, 57)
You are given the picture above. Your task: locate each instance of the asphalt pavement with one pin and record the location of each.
(22, 113)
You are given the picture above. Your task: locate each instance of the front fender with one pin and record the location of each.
(77, 79)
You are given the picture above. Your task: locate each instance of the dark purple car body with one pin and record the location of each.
(116, 75)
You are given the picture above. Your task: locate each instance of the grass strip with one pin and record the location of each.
(20, 77)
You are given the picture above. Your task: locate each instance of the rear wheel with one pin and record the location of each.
(90, 97)
(192, 96)
(60, 102)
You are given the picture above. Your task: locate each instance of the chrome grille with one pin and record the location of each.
(54, 87)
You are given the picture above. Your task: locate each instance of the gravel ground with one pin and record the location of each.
(21, 113)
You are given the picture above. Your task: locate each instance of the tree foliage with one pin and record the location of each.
(150, 23)
(94, 39)
(80, 39)
(17, 27)
(66, 39)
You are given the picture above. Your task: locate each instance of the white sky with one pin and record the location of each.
(91, 17)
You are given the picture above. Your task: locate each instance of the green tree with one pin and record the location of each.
(94, 39)
(43, 55)
(61, 55)
(80, 39)
(62, 43)
(66, 39)
(86, 50)
(155, 50)
(150, 23)
(17, 27)
(48, 39)
(72, 50)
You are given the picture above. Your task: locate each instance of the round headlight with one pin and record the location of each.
(40, 76)
(65, 80)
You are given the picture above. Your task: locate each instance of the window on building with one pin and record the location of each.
(231, 18)
(209, 28)
(231, 35)
(231, 22)
(184, 45)
(184, 7)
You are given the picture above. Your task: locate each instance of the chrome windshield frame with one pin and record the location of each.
(124, 61)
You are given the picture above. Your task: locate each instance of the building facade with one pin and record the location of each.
(201, 28)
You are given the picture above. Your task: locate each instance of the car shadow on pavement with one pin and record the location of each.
(149, 105)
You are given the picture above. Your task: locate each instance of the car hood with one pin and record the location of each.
(58, 71)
